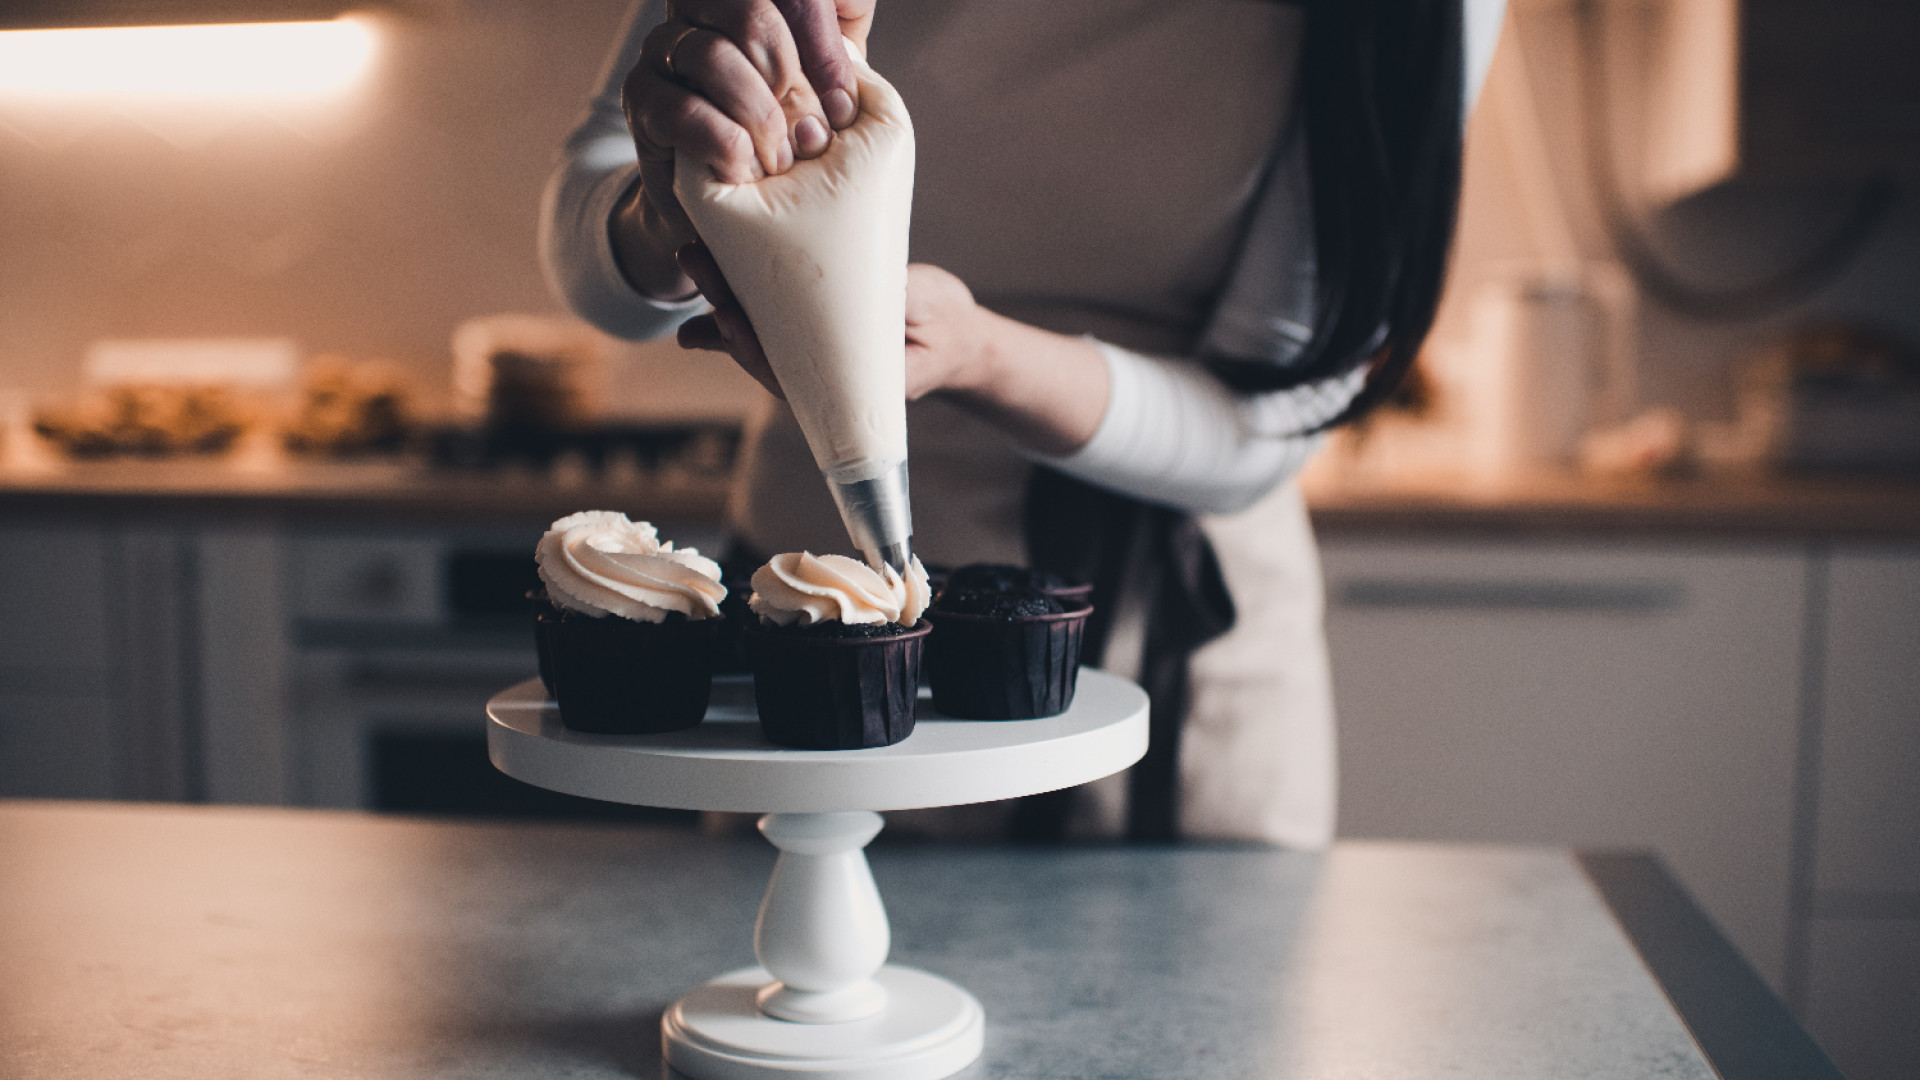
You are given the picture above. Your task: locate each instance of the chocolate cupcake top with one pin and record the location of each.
(1002, 576)
(1009, 603)
(800, 588)
(599, 563)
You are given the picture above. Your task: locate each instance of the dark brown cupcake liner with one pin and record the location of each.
(829, 693)
(543, 609)
(615, 676)
(1071, 596)
(986, 667)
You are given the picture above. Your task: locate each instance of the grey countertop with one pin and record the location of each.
(162, 942)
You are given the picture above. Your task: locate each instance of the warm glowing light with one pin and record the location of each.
(288, 59)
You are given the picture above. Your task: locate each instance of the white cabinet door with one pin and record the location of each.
(1863, 1001)
(57, 677)
(55, 582)
(1869, 818)
(1592, 694)
(56, 745)
(1863, 949)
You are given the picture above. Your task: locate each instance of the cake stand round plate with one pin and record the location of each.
(726, 764)
(824, 1004)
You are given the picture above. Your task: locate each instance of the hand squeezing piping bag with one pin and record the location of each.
(818, 258)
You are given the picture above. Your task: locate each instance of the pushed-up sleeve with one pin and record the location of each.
(1173, 434)
(597, 168)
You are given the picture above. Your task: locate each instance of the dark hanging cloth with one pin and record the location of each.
(1091, 534)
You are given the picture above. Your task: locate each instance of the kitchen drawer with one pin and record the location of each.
(55, 745)
(1869, 715)
(1599, 695)
(367, 579)
(54, 595)
(1864, 996)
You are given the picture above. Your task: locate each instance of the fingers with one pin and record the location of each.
(815, 25)
(727, 329)
(701, 332)
(656, 188)
(698, 262)
(666, 117)
(760, 32)
(714, 68)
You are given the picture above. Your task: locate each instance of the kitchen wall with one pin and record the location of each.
(369, 227)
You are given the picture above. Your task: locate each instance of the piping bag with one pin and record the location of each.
(817, 256)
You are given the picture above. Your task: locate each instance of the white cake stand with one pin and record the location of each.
(824, 1002)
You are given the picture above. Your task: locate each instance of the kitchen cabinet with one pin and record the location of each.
(1863, 991)
(242, 638)
(1861, 985)
(55, 580)
(1869, 725)
(1604, 694)
(90, 665)
(57, 744)
(56, 703)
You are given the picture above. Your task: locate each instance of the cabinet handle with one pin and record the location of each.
(1625, 597)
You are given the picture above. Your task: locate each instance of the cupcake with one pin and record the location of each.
(835, 648)
(625, 624)
(998, 577)
(1005, 653)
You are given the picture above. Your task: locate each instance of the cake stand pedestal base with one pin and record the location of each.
(929, 1029)
(824, 1002)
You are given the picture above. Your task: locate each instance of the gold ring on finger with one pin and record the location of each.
(666, 60)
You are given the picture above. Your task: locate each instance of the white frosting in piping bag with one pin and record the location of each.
(599, 563)
(803, 588)
(818, 258)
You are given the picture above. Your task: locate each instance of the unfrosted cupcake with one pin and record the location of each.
(835, 649)
(1002, 651)
(626, 625)
(1000, 577)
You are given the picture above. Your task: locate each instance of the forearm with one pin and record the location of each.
(1046, 391)
(1171, 433)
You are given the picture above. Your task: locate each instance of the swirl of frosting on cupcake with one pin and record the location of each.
(800, 587)
(599, 563)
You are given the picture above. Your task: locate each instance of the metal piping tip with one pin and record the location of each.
(899, 556)
(877, 516)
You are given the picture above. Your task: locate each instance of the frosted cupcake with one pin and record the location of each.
(625, 625)
(835, 648)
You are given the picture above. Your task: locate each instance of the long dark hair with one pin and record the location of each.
(1382, 84)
